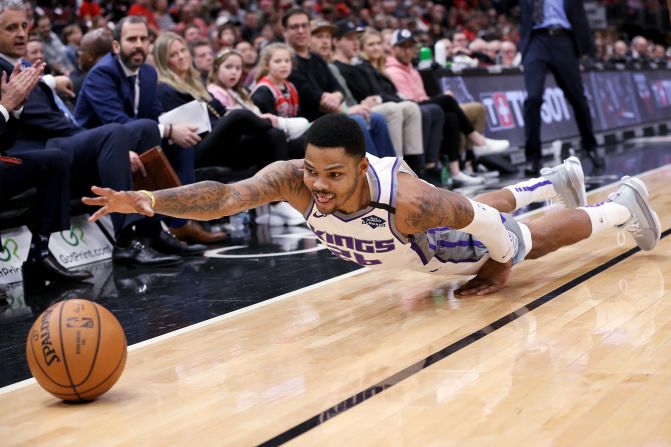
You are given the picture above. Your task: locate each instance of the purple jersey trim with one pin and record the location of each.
(456, 261)
(450, 244)
(391, 218)
(350, 217)
(417, 249)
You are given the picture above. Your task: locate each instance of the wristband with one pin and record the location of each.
(151, 197)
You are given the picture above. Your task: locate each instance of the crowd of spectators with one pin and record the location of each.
(265, 69)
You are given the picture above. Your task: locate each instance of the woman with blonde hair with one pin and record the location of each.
(373, 60)
(239, 138)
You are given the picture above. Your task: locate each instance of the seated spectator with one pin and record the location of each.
(163, 18)
(659, 54)
(203, 58)
(225, 86)
(35, 52)
(404, 118)
(97, 156)
(409, 83)
(142, 8)
(94, 45)
(639, 50)
(250, 58)
(226, 36)
(320, 92)
(239, 138)
(620, 53)
(46, 170)
(188, 15)
(493, 51)
(122, 88)
(509, 55)
(192, 34)
(274, 93)
(373, 63)
(72, 35)
(53, 47)
(478, 49)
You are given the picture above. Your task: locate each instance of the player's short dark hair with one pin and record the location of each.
(116, 32)
(336, 130)
(292, 12)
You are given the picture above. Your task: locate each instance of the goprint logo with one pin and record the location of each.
(74, 236)
(9, 248)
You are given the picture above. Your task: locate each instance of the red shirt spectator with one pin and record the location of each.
(140, 9)
(89, 10)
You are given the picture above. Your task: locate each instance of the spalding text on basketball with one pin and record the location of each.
(48, 351)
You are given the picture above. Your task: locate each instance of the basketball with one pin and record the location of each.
(76, 350)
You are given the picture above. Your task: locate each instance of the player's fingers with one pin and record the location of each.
(104, 192)
(102, 212)
(94, 201)
(486, 290)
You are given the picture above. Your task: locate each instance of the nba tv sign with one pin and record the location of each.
(505, 109)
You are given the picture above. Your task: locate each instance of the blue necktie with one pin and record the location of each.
(63, 108)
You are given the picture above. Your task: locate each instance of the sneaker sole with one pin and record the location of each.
(642, 193)
(577, 178)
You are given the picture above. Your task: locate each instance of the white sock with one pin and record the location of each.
(606, 215)
(533, 190)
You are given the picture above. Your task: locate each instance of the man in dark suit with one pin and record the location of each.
(553, 36)
(97, 155)
(122, 88)
(94, 45)
(47, 171)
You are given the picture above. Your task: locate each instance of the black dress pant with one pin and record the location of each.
(557, 54)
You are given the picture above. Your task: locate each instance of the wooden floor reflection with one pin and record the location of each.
(589, 367)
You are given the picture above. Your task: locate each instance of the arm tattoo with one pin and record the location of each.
(434, 207)
(209, 200)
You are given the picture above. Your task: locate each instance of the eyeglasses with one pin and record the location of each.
(297, 26)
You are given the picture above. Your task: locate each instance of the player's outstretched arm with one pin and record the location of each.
(282, 180)
(420, 207)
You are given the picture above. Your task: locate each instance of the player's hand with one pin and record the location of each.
(184, 136)
(492, 277)
(111, 201)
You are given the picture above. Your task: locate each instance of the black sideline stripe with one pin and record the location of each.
(413, 369)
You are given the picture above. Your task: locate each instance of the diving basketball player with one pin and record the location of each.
(377, 213)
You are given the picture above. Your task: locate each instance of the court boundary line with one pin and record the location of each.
(18, 385)
(26, 382)
(420, 365)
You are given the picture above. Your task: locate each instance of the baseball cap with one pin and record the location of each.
(345, 27)
(401, 36)
(322, 25)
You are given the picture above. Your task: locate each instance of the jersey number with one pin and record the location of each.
(358, 257)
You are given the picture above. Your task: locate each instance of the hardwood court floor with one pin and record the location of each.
(588, 366)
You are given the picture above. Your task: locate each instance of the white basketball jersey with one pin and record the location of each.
(369, 237)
